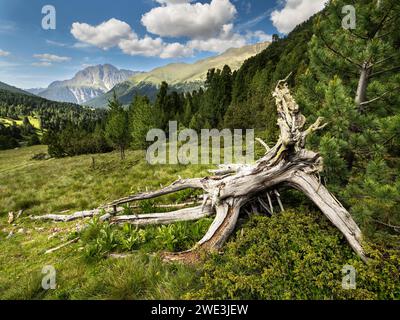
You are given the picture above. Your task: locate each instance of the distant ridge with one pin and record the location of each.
(180, 76)
(86, 84)
(7, 87)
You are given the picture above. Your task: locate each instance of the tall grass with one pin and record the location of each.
(56, 185)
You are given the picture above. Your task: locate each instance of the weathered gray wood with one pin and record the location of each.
(188, 214)
(175, 187)
(331, 208)
(71, 217)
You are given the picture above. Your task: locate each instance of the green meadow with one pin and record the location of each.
(294, 255)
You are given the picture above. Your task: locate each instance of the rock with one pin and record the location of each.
(10, 235)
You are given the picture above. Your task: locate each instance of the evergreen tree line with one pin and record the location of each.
(12, 135)
(53, 117)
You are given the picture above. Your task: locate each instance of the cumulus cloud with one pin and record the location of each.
(105, 35)
(46, 57)
(4, 53)
(258, 36)
(295, 12)
(225, 40)
(150, 47)
(116, 33)
(228, 39)
(208, 27)
(166, 2)
(176, 49)
(193, 20)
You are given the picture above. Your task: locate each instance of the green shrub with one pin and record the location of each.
(295, 256)
(101, 239)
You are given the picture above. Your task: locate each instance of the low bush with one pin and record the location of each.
(295, 256)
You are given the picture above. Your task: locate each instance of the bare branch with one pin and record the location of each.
(373, 100)
(188, 214)
(174, 187)
(264, 144)
(71, 217)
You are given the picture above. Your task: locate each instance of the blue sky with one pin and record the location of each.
(136, 35)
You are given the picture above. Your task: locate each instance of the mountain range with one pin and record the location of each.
(85, 85)
(7, 87)
(180, 76)
(94, 86)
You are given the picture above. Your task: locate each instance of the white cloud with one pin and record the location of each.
(258, 36)
(81, 45)
(150, 47)
(55, 43)
(114, 32)
(105, 35)
(42, 64)
(4, 53)
(208, 26)
(295, 12)
(146, 46)
(176, 49)
(225, 40)
(46, 57)
(183, 19)
(172, 1)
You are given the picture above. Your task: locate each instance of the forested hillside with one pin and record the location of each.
(5, 86)
(51, 116)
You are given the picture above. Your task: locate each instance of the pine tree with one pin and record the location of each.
(187, 110)
(160, 105)
(141, 121)
(366, 55)
(117, 126)
(352, 81)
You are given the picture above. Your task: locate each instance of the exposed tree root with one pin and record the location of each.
(236, 187)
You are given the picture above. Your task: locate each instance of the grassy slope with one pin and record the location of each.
(59, 184)
(34, 122)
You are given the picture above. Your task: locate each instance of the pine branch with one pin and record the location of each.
(384, 60)
(340, 54)
(382, 23)
(384, 71)
(375, 99)
(395, 228)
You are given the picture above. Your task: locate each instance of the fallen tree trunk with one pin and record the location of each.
(232, 187)
(188, 214)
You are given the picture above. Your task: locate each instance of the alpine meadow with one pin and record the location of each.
(315, 214)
